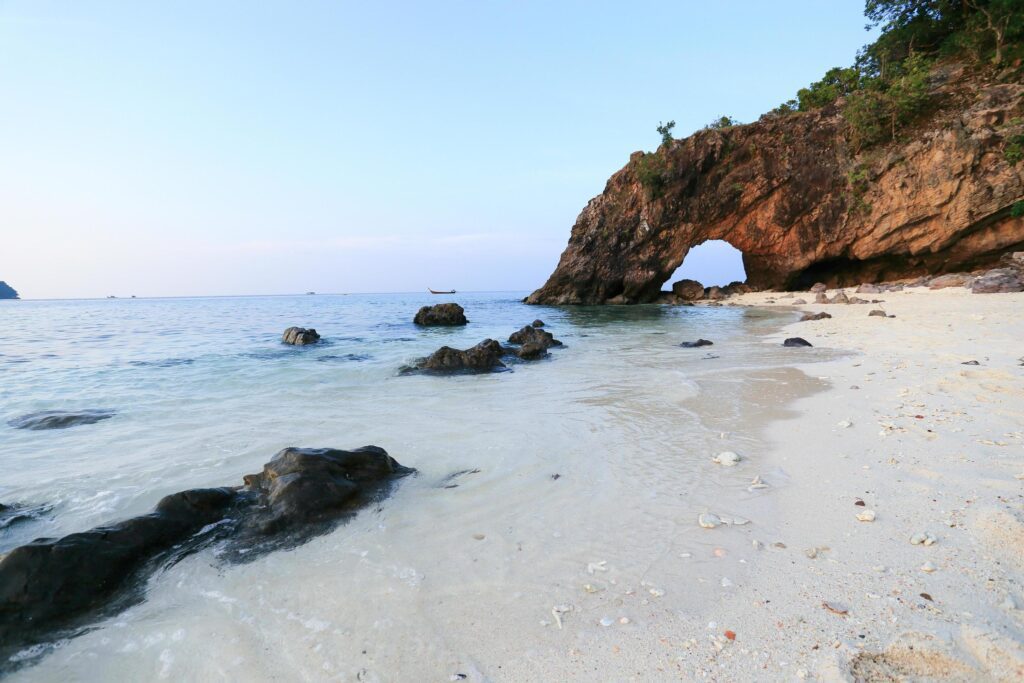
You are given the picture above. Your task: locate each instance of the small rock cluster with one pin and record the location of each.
(531, 342)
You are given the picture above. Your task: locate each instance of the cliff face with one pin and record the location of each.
(792, 195)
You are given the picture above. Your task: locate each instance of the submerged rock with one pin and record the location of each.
(796, 341)
(300, 336)
(15, 513)
(441, 315)
(696, 344)
(60, 419)
(484, 357)
(54, 584)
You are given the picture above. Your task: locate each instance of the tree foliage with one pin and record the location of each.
(722, 122)
(665, 130)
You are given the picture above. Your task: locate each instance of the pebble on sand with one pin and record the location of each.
(866, 516)
(928, 567)
(922, 538)
(726, 459)
(709, 520)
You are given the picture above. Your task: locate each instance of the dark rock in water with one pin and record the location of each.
(49, 583)
(534, 335)
(877, 313)
(696, 344)
(484, 357)
(815, 316)
(300, 336)
(796, 341)
(531, 351)
(688, 290)
(7, 292)
(53, 586)
(441, 314)
(305, 486)
(15, 513)
(998, 281)
(538, 323)
(59, 419)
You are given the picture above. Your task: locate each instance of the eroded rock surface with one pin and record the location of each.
(300, 336)
(55, 585)
(441, 314)
(794, 195)
(484, 357)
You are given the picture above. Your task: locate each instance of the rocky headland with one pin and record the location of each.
(805, 202)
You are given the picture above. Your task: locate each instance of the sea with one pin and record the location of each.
(576, 515)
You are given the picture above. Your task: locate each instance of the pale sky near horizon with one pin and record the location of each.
(193, 148)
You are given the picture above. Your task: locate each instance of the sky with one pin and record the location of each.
(215, 148)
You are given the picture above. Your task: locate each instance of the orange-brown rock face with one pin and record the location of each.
(790, 193)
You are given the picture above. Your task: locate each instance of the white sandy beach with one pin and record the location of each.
(933, 446)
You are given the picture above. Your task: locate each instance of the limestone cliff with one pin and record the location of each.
(792, 194)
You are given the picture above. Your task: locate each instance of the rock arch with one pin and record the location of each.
(789, 192)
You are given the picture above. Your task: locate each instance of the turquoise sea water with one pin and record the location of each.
(204, 392)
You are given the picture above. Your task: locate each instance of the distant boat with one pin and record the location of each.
(111, 296)
(308, 293)
(434, 291)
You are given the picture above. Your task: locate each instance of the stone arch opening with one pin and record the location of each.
(711, 263)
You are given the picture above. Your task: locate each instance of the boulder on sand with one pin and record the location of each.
(441, 315)
(814, 316)
(796, 341)
(998, 281)
(300, 336)
(688, 290)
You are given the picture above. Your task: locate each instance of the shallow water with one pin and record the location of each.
(204, 393)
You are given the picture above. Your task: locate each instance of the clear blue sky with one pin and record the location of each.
(226, 147)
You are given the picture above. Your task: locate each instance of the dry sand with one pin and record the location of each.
(931, 445)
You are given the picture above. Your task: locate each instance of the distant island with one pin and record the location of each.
(7, 292)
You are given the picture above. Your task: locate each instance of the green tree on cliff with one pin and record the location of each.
(665, 130)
